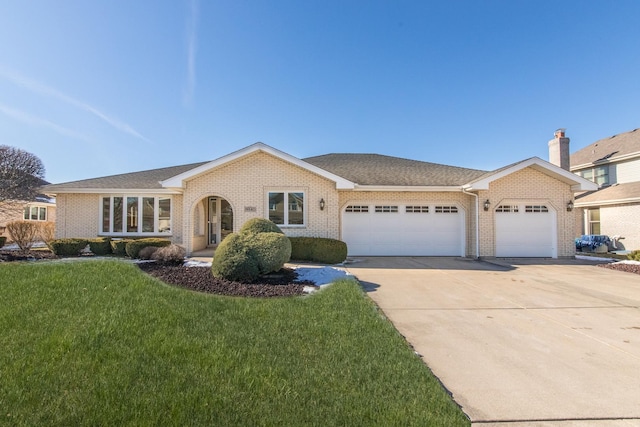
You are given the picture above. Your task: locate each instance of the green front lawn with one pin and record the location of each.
(100, 343)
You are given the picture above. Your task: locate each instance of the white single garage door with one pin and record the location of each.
(526, 230)
(404, 229)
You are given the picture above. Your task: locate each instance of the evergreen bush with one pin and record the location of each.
(100, 246)
(68, 247)
(318, 249)
(259, 225)
(233, 260)
(119, 246)
(271, 251)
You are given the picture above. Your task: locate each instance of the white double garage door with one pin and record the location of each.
(373, 229)
(404, 229)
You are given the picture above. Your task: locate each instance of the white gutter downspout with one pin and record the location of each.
(477, 222)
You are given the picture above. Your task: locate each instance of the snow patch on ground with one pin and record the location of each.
(320, 276)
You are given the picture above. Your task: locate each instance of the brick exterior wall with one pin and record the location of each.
(77, 216)
(622, 220)
(529, 185)
(245, 184)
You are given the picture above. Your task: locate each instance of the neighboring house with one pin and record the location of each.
(614, 209)
(378, 205)
(41, 209)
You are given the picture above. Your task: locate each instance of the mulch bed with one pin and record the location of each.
(13, 255)
(629, 268)
(280, 284)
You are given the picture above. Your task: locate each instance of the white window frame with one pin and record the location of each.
(38, 208)
(140, 216)
(285, 195)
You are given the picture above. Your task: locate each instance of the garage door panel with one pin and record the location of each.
(420, 232)
(523, 233)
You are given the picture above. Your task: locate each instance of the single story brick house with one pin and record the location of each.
(378, 205)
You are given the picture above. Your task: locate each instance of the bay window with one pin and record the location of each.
(135, 215)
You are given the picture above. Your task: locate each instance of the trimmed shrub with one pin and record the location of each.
(23, 233)
(259, 225)
(172, 254)
(147, 252)
(68, 247)
(271, 251)
(3, 240)
(100, 245)
(119, 247)
(233, 260)
(318, 249)
(634, 256)
(47, 233)
(134, 246)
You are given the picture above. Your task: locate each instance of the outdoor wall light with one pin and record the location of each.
(321, 204)
(486, 205)
(570, 206)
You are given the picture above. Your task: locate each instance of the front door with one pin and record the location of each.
(219, 220)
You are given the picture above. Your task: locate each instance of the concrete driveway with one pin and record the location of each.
(538, 342)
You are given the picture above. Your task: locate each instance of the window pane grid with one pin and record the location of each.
(416, 209)
(286, 208)
(536, 209)
(139, 215)
(446, 209)
(386, 209)
(507, 209)
(357, 209)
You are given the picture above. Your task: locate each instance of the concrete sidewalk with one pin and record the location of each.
(531, 343)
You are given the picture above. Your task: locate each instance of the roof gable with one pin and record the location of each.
(577, 183)
(178, 181)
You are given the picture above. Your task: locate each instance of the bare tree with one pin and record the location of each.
(21, 175)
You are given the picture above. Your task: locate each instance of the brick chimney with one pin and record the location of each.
(559, 150)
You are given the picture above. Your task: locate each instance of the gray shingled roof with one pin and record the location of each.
(376, 169)
(629, 190)
(149, 179)
(608, 148)
(363, 169)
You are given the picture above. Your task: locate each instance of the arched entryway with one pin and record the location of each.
(212, 221)
(219, 220)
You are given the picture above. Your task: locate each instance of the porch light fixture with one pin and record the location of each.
(570, 206)
(321, 204)
(486, 205)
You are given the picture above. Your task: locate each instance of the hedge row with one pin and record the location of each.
(105, 246)
(318, 249)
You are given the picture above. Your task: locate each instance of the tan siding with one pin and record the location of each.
(627, 171)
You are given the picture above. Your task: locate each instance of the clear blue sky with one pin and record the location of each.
(103, 87)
